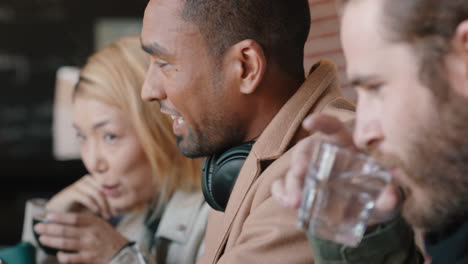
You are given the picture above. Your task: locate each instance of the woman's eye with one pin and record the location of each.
(110, 137)
(375, 87)
(80, 137)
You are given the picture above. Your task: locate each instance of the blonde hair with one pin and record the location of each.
(115, 75)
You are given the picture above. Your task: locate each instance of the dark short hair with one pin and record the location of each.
(281, 27)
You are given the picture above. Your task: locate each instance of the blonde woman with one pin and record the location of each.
(141, 202)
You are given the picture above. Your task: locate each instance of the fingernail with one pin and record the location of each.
(50, 216)
(307, 121)
(293, 201)
(297, 203)
(39, 228)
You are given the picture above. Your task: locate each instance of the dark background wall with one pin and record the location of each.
(36, 38)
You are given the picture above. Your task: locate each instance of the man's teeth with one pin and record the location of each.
(180, 120)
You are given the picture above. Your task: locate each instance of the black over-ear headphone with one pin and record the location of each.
(220, 172)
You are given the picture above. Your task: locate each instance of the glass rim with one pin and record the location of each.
(38, 202)
(359, 155)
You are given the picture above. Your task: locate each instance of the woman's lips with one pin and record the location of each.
(111, 190)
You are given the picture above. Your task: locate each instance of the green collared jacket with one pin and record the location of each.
(392, 243)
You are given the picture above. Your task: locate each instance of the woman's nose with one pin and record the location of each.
(97, 162)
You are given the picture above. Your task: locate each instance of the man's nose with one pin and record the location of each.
(368, 131)
(152, 89)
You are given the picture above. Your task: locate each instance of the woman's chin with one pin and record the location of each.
(122, 208)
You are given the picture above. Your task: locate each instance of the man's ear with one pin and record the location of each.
(250, 65)
(458, 59)
(461, 41)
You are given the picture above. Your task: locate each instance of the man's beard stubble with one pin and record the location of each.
(212, 141)
(438, 164)
(221, 129)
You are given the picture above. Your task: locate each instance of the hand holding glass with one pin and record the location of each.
(340, 191)
(39, 216)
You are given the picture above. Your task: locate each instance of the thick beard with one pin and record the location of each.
(438, 166)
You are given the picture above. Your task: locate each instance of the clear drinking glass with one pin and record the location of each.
(339, 193)
(39, 212)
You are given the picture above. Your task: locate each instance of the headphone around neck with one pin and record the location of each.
(220, 172)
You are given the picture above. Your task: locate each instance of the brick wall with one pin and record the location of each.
(324, 39)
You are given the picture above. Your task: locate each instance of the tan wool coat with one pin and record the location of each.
(255, 228)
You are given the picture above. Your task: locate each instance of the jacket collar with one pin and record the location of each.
(277, 137)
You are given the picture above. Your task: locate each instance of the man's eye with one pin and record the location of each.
(162, 64)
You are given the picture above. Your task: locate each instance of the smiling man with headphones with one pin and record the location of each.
(230, 74)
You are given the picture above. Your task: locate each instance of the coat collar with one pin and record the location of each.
(277, 137)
